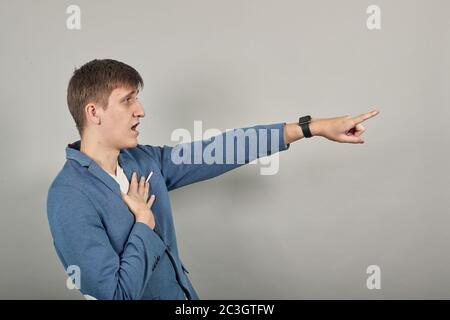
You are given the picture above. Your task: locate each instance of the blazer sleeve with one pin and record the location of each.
(80, 240)
(185, 163)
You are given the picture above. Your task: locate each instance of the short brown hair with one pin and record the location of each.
(94, 82)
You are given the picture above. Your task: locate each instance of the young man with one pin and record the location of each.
(108, 208)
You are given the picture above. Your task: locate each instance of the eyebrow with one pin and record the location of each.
(129, 94)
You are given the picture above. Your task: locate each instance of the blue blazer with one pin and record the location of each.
(93, 229)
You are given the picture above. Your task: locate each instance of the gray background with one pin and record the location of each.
(332, 210)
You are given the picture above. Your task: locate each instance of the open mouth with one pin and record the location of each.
(134, 127)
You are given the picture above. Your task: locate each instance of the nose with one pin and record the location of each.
(139, 112)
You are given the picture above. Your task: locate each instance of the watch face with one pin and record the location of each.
(305, 119)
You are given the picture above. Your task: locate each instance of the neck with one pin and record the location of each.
(106, 157)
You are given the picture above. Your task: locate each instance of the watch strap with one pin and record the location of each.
(304, 122)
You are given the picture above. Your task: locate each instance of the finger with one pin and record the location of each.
(141, 189)
(150, 201)
(359, 130)
(365, 116)
(352, 139)
(133, 183)
(147, 189)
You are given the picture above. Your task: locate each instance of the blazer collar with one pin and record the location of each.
(125, 161)
(73, 152)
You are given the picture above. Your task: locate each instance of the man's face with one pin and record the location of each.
(120, 119)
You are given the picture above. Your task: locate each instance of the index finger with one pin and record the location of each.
(365, 116)
(133, 183)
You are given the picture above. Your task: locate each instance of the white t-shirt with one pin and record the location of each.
(121, 179)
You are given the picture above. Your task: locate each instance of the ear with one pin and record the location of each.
(93, 113)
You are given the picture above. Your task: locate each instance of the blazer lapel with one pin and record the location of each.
(101, 174)
(128, 165)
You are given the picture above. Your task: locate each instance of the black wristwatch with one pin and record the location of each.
(304, 122)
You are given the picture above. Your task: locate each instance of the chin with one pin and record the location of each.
(132, 143)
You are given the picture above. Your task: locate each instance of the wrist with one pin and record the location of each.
(146, 219)
(148, 222)
(315, 126)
